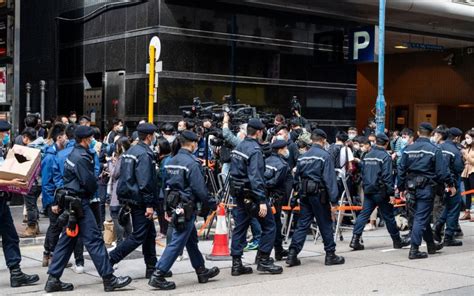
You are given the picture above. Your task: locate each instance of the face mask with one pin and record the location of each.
(302, 151)
(372, 143)
(356, 147)
(433, 140)
(72, 120)
(92, 145)
(120, 129)
(170, 138)
(469, 141)
(352, 136)
(286, 154)
(280, 138)
(6, 139)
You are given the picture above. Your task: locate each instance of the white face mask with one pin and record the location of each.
(352, 136)
(468, 140)
(356, 147)
(120, 129)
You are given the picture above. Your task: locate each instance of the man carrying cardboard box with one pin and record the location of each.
(10, 240)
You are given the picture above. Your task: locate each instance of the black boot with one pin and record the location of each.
(458, 233)
(205, 274)
(257, 257)
(399, 242)
(55, 285)
(238, 268)
(150, 269)
(158, 281)
(280, 254)
(116, 282)
(450, 241)
(266, 264)
(333, 259)
(292, 259)
(355, 243)
(18, 278)
(438, 232)
(433, 247)
(416, 254)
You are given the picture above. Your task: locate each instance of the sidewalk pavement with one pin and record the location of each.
(377, 270)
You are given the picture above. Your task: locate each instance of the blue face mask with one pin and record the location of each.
(93, 144)
(6, 139)
(404, 142)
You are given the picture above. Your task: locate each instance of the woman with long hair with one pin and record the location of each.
(468, 173)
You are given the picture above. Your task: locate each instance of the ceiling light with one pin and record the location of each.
(401, 46)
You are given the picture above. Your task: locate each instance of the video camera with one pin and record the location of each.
(295, 106)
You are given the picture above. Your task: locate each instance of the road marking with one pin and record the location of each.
(388, 250)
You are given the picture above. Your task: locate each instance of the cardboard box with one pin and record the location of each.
(21, 163)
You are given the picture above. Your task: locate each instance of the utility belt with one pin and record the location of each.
(71, 204)
(241, 191)
(310, 188)
(180, 209)
(415, 182)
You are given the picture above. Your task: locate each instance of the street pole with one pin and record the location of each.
(155, 67)
(42, 84)
(380, 103)
(28, 98)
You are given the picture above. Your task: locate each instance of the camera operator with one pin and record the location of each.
(279, 120)
(232, 139)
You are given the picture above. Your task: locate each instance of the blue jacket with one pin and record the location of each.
(138, 181)
(422, 158)
(453, 158)
(276, 172)
(48, 185)
(184, 173)
(60, 159)
(376, 169)
(79, 172)
(247, 165)
(318, 165)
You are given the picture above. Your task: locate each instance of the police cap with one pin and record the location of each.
(455, 132)
(83, 131)
(189, 135)
(382, 138)
(256, 124)
(147, 128)
(320, 133)
(278, 144)
(426, 126)
(5, 126)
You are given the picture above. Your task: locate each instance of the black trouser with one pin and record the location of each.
(469, 185)
(278, 245)
(52, 237)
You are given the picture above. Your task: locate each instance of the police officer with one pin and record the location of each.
(80, 180)
(318, 189)
(377, 182)
(276, 172)
(186, 190)
(138, 188)
(10, 240)
(452, 205)
(248, 188)
(422, 167)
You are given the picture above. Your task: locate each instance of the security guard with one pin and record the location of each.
(317, 189)
(377, 182)
(137, 188)
(186, 193)
(450, 215)
(276, 172)
(248, 188)
(422, 167)
(80, 180)
(10, 240)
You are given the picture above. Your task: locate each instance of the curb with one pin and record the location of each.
(30, 241)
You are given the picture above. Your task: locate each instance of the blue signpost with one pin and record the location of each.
(380, 103)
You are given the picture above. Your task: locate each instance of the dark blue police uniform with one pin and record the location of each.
(450, 214)
(138, 187)
(276, 173)
(318, 189)
(10, 240)
(185, 178)
(422, 166)
(248, 183)
(80, 179)
(378, 185)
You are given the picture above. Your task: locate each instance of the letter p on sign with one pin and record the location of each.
(361, 41)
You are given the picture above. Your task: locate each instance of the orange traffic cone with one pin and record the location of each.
(220, 248)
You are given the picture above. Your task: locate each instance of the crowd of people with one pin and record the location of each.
(163, 174)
